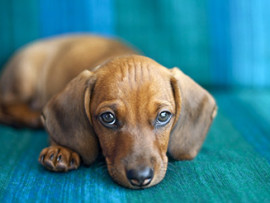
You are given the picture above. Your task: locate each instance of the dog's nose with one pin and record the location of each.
(140, 177)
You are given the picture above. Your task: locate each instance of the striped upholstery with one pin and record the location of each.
(223, 45)
(216, 42)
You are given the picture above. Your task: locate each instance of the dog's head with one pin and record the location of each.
(137, 110)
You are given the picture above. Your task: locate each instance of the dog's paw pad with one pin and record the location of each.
(57, 158)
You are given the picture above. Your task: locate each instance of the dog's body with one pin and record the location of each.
(43, 68)
(132, 107)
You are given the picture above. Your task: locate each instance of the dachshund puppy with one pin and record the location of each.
(129, 106)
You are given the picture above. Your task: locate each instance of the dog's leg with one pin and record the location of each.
(20, 115)
(59, 159)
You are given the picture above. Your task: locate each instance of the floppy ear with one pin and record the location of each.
(195, 111)
(67, 119)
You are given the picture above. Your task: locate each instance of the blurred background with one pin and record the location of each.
(218, 43)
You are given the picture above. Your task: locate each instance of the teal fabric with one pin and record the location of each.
(233, 165)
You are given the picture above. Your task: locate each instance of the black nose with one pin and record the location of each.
(140, 177)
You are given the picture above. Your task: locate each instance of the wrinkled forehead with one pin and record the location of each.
(133, 76)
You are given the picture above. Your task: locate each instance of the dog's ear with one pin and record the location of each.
(67, 119)
(195, 111)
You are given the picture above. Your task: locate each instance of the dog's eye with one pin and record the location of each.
(163, 118)
(108, 119)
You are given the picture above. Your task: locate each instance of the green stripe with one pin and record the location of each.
(6, 30)
(18, 24)
(25, 22)
(175, 33)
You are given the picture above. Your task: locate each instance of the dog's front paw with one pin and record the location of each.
(59, 159)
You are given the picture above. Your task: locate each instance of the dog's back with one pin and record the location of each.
(42, 69)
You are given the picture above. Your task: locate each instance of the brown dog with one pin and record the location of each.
(132, 107)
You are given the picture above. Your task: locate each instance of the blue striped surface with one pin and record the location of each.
(57, 17)
(221, 43)
(240, 47)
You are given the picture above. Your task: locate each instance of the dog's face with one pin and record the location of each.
(137, 110)
(133, 111)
